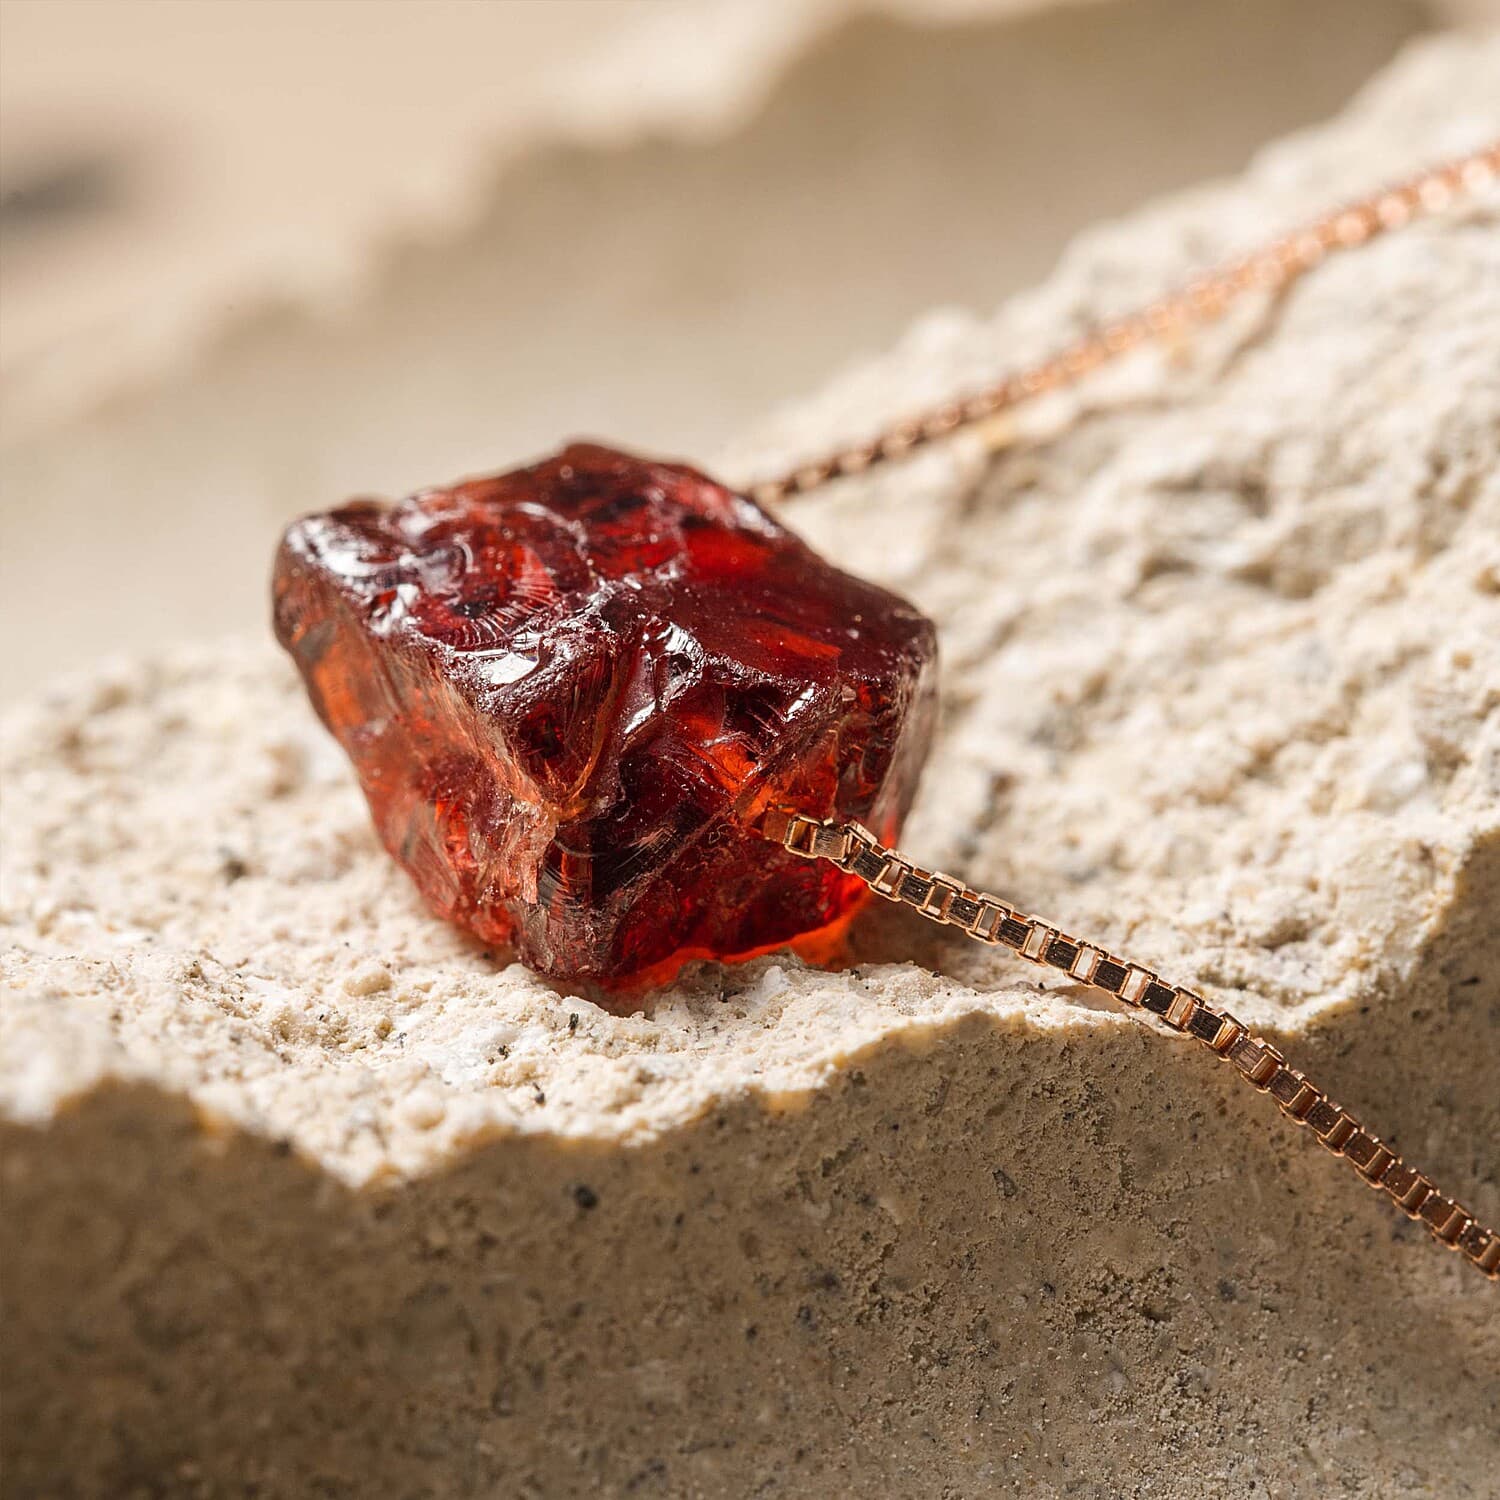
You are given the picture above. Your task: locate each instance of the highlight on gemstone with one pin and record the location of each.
(570, 692)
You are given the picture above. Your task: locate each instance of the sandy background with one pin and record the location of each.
(305, 1195)
(257, 258)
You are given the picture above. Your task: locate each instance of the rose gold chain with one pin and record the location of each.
(1269, 269)
(987, 918)
(855, 849)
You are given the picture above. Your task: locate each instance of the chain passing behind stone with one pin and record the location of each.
(853, 849)
(1269, 269)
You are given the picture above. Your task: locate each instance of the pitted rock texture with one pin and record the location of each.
(303, 1195)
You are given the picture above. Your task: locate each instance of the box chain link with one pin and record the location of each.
(1270, 269)
(942, 899)
(854, 849)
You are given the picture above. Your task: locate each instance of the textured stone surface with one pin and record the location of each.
(302, 1195)
(572, 691)
(718, 275)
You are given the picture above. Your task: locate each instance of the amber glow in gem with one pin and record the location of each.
(570, 692)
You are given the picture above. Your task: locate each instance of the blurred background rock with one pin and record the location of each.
(258, 255)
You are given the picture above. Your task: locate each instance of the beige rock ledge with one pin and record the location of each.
(305, 1196)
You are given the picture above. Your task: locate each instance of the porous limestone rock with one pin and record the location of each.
(305, 1194)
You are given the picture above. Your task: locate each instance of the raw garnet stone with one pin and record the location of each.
(572, 691)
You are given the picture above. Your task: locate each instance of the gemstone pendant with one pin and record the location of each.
(571, 692)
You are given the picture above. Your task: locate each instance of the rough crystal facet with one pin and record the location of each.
(570, 692)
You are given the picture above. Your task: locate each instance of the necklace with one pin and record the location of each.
(611, 716)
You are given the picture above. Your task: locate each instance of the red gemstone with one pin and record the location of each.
(571, 692)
